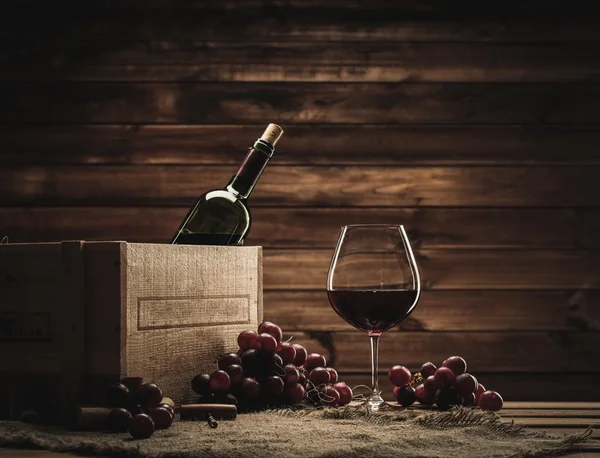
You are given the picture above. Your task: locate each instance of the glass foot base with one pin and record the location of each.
(375, 403)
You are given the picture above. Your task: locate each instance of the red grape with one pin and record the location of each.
(294, 393)
(276, 363)
(446, 398)
(314, 360)
(141, 426)
(333, 375)
(225, 399)
(431, 386)
(255, 343)
(468, 400)
(303, 376)
(480, 390)
(161, 417)
(291, 374)
(201, 384)
(236, 373)
(490, 400)
(329, 396)
(169, 408)
(273, 386)
(132, 383)
(272, 329)
(118, 420)
(117, 395)
(246, 338)
(287, 352)
(319, 376)
(228, 360)
(444, 377)
(301, 354)
(399, 376)
(220, 381)
(250, 388)
(345, 393)
(269, 363)
(406, 396)
(422, 396)
(250, 361)
(267, 342)
(149, 395)
(427, 370)
(136, 408)
(456, 364)
(465, 384)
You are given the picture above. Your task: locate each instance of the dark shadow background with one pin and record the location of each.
(474, 125)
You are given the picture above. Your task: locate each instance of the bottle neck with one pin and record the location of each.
(243, 182)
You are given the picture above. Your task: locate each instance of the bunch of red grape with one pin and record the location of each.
(266, 371)
(447, 386)
(138, 408)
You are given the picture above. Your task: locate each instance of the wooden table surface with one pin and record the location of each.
(554, 417)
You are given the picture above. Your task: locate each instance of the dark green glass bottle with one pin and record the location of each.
(221, 217)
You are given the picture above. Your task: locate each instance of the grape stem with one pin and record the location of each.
(362, 397)
(318, 394)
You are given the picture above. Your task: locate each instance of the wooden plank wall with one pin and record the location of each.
(477, 126)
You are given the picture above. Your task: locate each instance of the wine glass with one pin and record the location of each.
(373, 283)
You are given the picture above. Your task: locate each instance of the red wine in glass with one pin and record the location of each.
(373, 311)
(373, 283)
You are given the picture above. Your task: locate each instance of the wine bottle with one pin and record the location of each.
(222, 217)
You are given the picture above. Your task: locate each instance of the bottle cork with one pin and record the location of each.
(272, 134)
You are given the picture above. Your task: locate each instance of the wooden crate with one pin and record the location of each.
(76, 316)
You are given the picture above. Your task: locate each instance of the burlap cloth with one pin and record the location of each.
(331, 433)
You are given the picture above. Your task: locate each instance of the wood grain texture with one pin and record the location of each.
(432, 8)
(217, 103)
(475, 125)
(452, 269)
(306, 186)
(555, 352)
(304, 145)
(157, 61)
(340, 21)
(450, 311)
(319, 227)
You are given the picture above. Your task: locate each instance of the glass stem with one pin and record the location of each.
(375, 363)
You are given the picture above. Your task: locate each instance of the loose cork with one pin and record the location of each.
(91, 418)
(272, 134)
